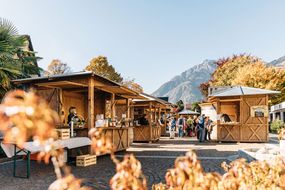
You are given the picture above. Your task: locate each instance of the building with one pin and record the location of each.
(277, 112)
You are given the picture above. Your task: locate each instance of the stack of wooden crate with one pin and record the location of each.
(63, 134)
(85, 160)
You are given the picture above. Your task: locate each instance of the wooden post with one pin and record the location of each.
(60, 107)
(128, 109)
(241, 118)
(218, 121)
(150, 120)
(113, 111)
(266, 120)
(159, 113)
(91, 116)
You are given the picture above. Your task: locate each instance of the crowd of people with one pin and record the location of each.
(201, 126)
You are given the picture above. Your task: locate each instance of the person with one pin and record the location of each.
(72, 115)
(172, 124)
(190, 127)
(207, 124)
(180, 125)
(143, 120)
(195, 123)
(201, 129)
(210, 128)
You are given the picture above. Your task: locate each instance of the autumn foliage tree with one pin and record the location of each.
(246, 70)
(100, 66)
(131, 84)
(57, 67)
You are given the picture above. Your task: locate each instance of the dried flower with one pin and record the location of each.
(129, 175)
(24, 116)
(101, 144)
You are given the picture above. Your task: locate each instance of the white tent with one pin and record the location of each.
(188, 112)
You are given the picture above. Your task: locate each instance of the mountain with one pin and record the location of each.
(186, 85)
(280, 63)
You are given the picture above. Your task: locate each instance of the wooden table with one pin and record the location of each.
(120, 136)
(146, 133)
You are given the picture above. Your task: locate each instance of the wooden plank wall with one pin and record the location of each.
(77, 100)
(254, 129)
(51, 96)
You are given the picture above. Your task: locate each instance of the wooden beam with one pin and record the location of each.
(128, 108)
(150, 120)
(75, 83)
(230, 100)
(113, 103)
(91, 99)
(241, 118)
(218, 121)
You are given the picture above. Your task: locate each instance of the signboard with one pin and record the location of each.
(259, 111)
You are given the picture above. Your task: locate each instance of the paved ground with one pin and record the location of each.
(155, 159)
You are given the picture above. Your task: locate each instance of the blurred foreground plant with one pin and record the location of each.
(188, 174)
(129, 172)
(24, 117)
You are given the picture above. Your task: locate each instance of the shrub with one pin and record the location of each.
(276, 125)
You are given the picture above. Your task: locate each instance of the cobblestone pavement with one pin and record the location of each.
(156, 158)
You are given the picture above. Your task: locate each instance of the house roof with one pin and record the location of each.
(149, 98)
(188, 112)
(240, 91)
(61, 80)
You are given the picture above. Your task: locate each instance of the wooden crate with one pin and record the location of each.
(63, 133)
(85, 160)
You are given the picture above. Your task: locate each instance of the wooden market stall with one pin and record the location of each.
(149, 118)
(94, 98)
(242, 113)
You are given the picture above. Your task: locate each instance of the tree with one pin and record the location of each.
(259, 75)
(179, 106)
(246, 70)
(57, 67)
(101, 66)
(131, 84)
(195, 107)
(16, 60)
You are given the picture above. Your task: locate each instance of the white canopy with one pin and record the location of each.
(188, 112)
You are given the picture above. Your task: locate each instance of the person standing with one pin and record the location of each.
(209, 128)
(201, 128)
(172, 124)
(180, 125)
(206, 125)
(190, 127)
(195, 123)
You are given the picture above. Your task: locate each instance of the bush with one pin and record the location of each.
(276, 125)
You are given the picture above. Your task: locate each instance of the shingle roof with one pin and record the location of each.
(241, 90)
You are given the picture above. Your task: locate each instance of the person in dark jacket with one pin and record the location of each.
(201, 128)
(72, 115)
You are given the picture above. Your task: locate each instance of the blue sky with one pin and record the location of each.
(149, 40)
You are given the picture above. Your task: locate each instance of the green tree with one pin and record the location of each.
(101, 66)
(179, 106)
(16, 60)
(195, 107)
